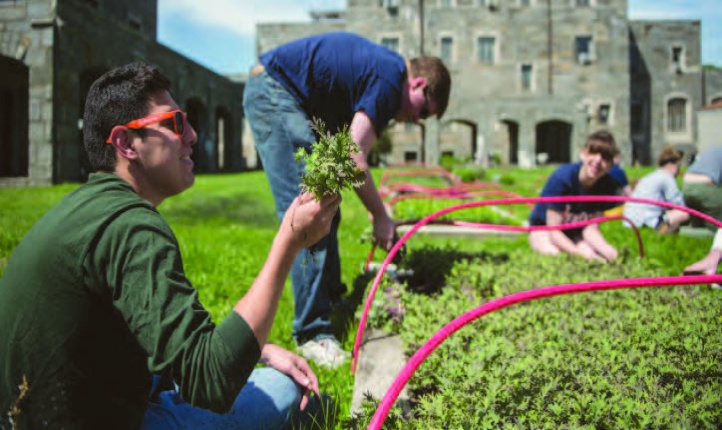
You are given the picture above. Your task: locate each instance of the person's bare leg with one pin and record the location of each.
(540, 242)
(588, 252)
(676, 218)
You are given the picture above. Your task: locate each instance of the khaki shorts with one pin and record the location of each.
(704, 198)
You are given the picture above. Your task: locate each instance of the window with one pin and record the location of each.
(391, 6)
(447, 46)
(583, 49)
(678, 59)
(391, 43)
(526, 77)
(485, 49)
(410, 156)
(603, 113)
(677, 115)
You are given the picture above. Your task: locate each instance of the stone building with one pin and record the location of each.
(532, 78)
(51, 51)
(709, 120)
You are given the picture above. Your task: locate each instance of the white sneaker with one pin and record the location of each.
(326, 352)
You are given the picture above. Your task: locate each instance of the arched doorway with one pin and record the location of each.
(14, 119)
(554, 139)
(458, 139)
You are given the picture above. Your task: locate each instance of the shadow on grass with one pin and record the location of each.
(236, 210)
(427, 269)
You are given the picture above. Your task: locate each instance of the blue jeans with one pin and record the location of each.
(280, 127)
(267, 401)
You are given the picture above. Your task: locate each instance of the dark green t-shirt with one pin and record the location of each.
(94, 300)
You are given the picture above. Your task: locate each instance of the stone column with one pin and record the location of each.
(432, 141)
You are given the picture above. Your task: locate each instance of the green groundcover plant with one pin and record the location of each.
(647, 358)
(641, 358)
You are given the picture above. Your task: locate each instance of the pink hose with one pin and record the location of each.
(451, 194)
(463, 188)
(426, 220)
(578, 224)
(500, 303)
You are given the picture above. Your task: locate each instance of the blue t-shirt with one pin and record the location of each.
(619, 175)
(565, 182)
(335, 75)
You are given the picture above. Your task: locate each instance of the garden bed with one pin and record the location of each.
(642, 358)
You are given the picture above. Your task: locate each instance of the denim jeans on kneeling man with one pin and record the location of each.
(269, 400)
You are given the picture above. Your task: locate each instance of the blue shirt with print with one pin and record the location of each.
(565, 182)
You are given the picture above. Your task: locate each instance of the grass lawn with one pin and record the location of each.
(225, 225)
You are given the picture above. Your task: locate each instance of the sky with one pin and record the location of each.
(220, 34)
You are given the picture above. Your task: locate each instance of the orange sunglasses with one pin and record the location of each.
(178, 117)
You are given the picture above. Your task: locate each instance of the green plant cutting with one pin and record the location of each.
(329, 166)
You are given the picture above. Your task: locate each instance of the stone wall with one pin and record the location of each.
(488, 105)
(67, 48)
(27, 35)
(660, 78)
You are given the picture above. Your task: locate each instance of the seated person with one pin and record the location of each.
(659, 185)
(701, 186)
(586, 178)
(94, 301)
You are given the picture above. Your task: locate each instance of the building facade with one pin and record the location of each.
(51, 51)
(532, 78)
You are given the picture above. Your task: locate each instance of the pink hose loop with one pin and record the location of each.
(428, 219)
(500, 227)
(426, 349)
(452, 194)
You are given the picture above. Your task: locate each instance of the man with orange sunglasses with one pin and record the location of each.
(99, 326)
